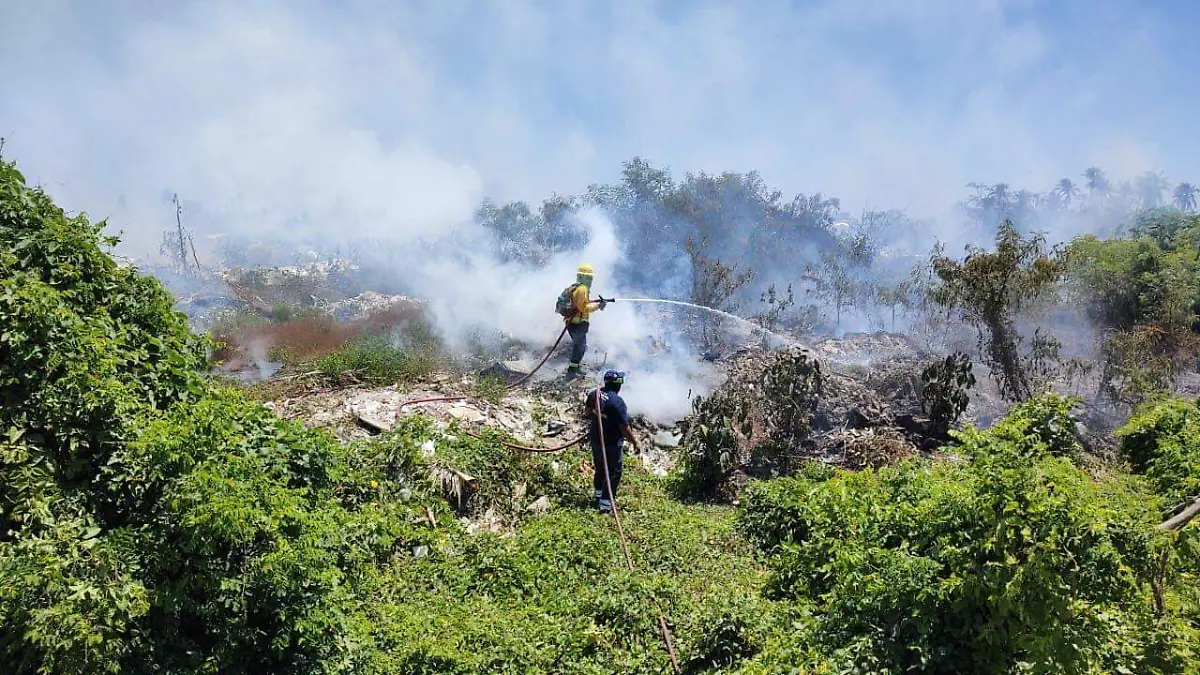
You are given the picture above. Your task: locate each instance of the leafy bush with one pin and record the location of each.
(374, 359)
(712, 444)
(1162, 441)
(1036, 428)
(755, 425)
(945, 394)
(1016, 561)
(291, 312)
(1143, 292)
(150, 521)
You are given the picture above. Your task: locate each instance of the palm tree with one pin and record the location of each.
(1150, 186)
(1066, 190)
(1185, 195)
(1126, 197)
(1097, 182)
(1025, 204)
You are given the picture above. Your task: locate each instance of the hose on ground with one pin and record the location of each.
(664, 627)
(612, 499)
(514, 385)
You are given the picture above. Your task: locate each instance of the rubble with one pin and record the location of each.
(667, 439)
(867, 412)
(540, 506)
(509, 372)
(368, 303)
(870, 448)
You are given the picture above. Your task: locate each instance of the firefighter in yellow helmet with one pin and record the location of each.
(576, 307)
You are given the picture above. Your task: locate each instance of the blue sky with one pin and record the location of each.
(399, 116)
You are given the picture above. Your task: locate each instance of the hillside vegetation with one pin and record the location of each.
(152, 521)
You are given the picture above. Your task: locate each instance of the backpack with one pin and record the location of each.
(564, 306)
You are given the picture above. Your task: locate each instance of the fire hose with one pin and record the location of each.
(612, 498)
(668, 641)
(510, 387)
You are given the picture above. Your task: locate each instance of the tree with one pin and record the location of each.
(1125, 197)
(1066, 190)
(990, 203)
(1142, 293)
(1096, 182)
(989, 289)
(714, 284)
(1184, 197)
(527, 237)
(834, 282)
(897, 296)
(776, 305)
(177, 244)
(945, 393)
(1150, 187)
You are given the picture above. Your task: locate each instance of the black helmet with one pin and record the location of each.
(614, 377)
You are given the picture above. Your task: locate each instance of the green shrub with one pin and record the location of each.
(151, 522)
(1016, 561)
(1162, 441)
(284, 312)
(374, 359)
(1142, 292)
(1039, 427)
(491, 388)
(755, 425)
(946, 391)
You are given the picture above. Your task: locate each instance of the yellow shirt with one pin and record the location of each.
(583, 308)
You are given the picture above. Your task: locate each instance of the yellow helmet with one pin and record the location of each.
(586, 270)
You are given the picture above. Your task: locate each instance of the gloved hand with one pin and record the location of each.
(603, 303)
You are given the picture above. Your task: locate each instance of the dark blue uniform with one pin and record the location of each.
(614, 415)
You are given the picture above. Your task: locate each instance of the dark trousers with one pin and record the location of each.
(578, 333)
(615, 455)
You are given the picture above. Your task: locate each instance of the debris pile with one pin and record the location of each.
(370, 303)
(866, 411)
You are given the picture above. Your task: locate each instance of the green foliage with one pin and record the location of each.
(754, 426)
(291, 312)
(1041, 426)
(478, 475)
(835, 278)
(714, 284)
(945, 394)
(230, 322)
(491, 388)
(789, 388)
(990, 289)
(375, 359)
(1016, 561)
(556, 597)
(776, 305)
(896, 296)
(712, 443)
(154, 522)
(1143, 292)
(528, 237)
(1162, 441)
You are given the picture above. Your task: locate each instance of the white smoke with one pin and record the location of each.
(471, 292)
